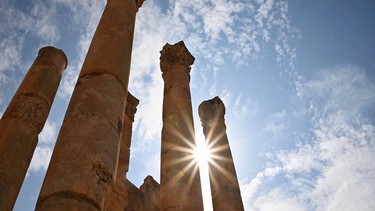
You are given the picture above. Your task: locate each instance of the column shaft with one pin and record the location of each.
(225, 189)
(84, 161)
(24, 120)
(180, 181)
(116, 198)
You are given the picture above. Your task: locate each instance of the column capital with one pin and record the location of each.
(211, 110)
(176, 54)
(54, 55)
(131, 106)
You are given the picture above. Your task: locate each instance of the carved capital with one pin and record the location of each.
(176, 54)
(29, 109)
(131, 106)
(211, 110)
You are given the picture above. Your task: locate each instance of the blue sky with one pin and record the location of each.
(297, 79)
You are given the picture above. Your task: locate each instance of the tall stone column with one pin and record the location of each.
(180, 187)
(117, 197)
(24, 119)
(225, 189)
(84, 161)
(127, 131)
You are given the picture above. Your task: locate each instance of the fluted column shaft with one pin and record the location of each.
(225, 189)
(180, 187)
(84, 161)
(116, 198)
(24, 119)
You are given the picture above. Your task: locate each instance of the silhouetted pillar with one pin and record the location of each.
(180, 186)
(225, 189)
(117, 198)
(24, 119)
(85, 157)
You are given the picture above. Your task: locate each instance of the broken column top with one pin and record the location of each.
(211, 110)
(150, 182)
(176, 54)
(50, 54)
(131, 106)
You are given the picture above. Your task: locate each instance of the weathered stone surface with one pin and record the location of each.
(225, 189)
(83, 166)
(130, 110)
(180, 187)
(151, 190)
(84, 160)
(126, 196)
(176, 54)
(117, 197)
(145, 198)
(111, 47)
(25, 118)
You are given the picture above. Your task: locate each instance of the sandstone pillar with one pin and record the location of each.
(127, 131)
(24, 120)
(116, 198)
(225, 189)
(84, 161)
(180, 186)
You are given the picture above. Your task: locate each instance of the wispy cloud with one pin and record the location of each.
(83, 17)
(40, 160)
(243, 108)
(333, 170)
(48, 134)
(275, 122)
(12, 30)
(277, 200)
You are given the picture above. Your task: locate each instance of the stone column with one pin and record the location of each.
(127, 131)
(116, 198)
(84, 161)
(225, 189)
(180, 186)
(24, 119)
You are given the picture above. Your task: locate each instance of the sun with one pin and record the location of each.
(202, 154)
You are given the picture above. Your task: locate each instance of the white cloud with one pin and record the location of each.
(263, 11)
(275, 122)
(345, 88)
(48, 133)
(152, 167)
(40, 160)
(12, 29)
(277, 200)
(244, 107)
(44, 22)
(84, 16)
(334, 170)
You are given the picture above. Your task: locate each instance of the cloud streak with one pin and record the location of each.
(333, 170)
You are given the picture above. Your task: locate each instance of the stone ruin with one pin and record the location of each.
(90, 160)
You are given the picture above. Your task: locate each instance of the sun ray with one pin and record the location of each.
(224, 172)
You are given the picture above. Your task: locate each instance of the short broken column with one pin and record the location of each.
(85, 157)
(225, 189)
(180, 187)
(24, 119)
(117, 198)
